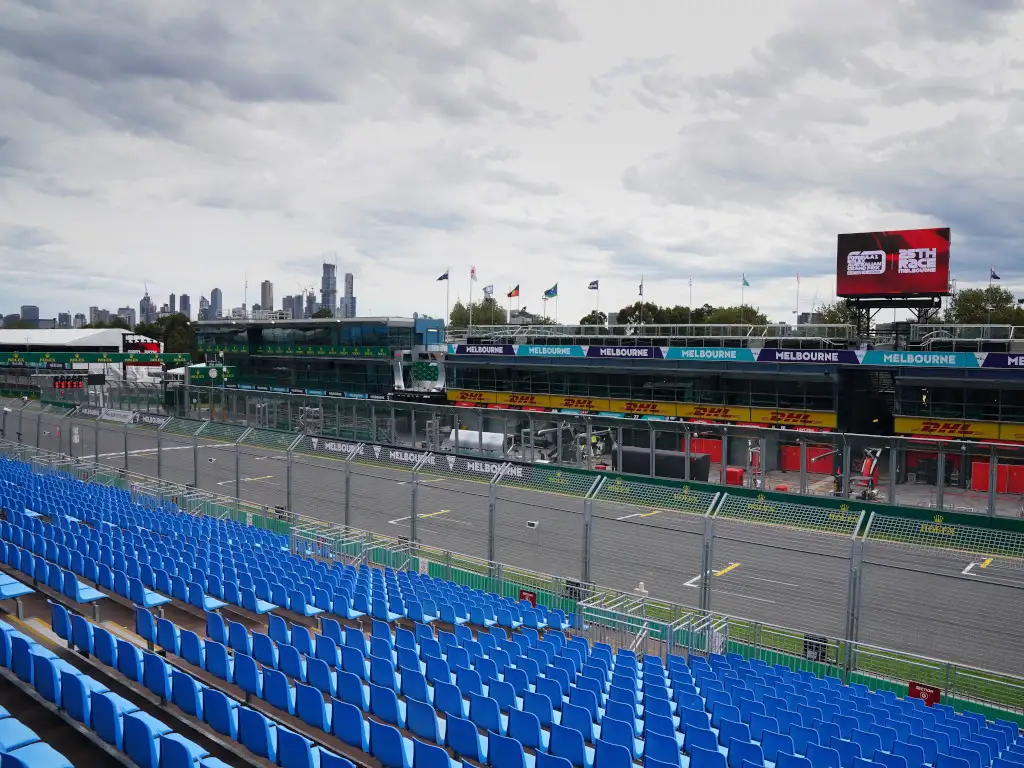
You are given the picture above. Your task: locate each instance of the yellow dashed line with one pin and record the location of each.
(435, 514)
(729, 567)
(986, 563)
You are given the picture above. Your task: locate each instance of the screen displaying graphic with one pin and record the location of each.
(907, 262)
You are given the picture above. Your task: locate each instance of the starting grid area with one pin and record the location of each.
(632, 619)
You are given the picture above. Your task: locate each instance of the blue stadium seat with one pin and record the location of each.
(142, 734)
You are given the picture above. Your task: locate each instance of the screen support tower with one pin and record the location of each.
(865, 309)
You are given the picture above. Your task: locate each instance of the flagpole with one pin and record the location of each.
(689, 311)
(556, 309)
(471, 299)
(447, 296)
(988, 296)
(798, 298)
(743, 287)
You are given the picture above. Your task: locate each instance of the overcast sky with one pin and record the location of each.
(189, 143)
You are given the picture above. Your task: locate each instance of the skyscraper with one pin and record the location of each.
(286, 305)
(348, 303)
(172, 304)
(329, 289)
(79, 320)
(185, 306)
(29, 312)
(267, 295)
(216, 303)
(147, 311)
(310, 305)
(64, 320)
(128, 315)
(204, 308)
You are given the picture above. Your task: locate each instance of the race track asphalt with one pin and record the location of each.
(911, 599)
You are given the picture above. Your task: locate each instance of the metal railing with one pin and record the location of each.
(630, 619)
(576, 334)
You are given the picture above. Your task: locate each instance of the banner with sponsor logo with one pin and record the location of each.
(626, 353)
(50, 359)
(819, 356)
(1013, 433)
(541, 350)
(791, 418)
(947, 428)
(730, 413)
(711, 354)
(116, 416)
(481, 349)
(470, 396)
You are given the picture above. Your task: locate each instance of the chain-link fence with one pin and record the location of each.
(738, 551)
(635, 618)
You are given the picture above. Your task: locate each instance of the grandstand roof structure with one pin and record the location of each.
(75, 338)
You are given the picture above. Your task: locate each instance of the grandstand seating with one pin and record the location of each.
(20, 747)
(413, 698)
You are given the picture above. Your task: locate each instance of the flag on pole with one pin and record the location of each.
(745, 283)
(472, 274)
(513, 293)
(551, 292)
(641, 286)
(488, 291)
(443, 277)
(992, 274)
(593, 285)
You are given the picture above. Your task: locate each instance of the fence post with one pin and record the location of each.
(803, 464)
(413, 495)
(893, 468)
(588, 529)
(853, 595)
(940, 478)
(846, 469)
(687, 448)
(348, 483)
(125, 449)
(492, 511)
(159, 449)
(238, 471)
(288, 472)
(707, 556)
(722, 480)
(993, 475)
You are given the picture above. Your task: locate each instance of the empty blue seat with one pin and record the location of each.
(348, 724)
(257, 733)
(388, 746)
(221, 712)
(142, 734)
(108, 710)
(36, 755)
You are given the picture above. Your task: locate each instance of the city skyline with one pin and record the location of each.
(210, 305)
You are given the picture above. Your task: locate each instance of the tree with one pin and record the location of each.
(837, 313)
(321, 313)
(979, 306)
(652, 314)
(486, 312)
(175, 331)
(594, 318)
(115, 322)
(745, 315)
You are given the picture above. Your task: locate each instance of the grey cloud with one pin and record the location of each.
(509, 179)
(142, 64)
(17, 237)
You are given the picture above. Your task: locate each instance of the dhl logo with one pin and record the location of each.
(583, 403)
(472, 397)
(791, 417)
(641, 408)
(523, 400)
(954, 428)
(705, 412)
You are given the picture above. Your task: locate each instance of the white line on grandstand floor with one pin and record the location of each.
(966, 571)
(772, 581)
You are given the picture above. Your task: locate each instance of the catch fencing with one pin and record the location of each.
(632, 619)
(945, 475)
(861, 573)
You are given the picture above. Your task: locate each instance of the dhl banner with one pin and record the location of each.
(1013, 433)
(947, 428)
(724, 413)
(712, 412)
(790, 418)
